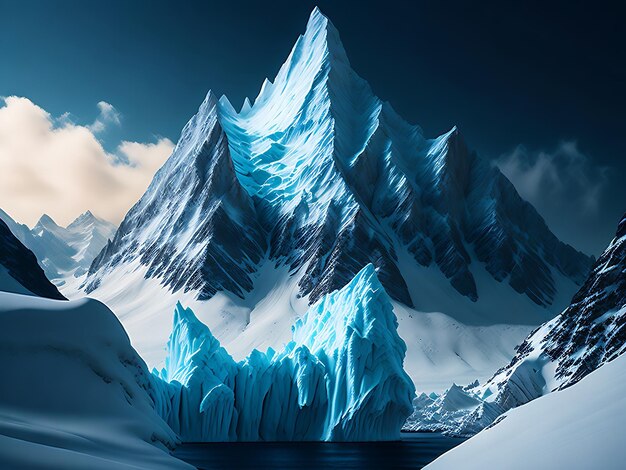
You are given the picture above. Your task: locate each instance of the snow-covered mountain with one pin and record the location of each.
(64, 252)
(259, 213)
(19, 271)
(586, 335)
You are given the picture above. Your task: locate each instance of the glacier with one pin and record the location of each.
(341, 378)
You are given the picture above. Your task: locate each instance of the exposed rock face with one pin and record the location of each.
(21, 265)
(195, 228)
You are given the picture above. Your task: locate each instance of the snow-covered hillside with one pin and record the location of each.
(74, 394)
(576, 428)
(259, 213)
(64, 253)
(19, 271)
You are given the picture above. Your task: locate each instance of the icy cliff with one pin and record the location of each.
(340, 379)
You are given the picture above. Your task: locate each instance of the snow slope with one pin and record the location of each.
(576, 428)
(340, 379)
(19, 271)
(74, 394)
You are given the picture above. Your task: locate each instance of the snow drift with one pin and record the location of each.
(340, 379)
(74, 394)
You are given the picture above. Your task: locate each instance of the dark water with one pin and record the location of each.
(414, 451)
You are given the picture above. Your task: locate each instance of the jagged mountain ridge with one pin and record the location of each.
(320, 175)
(20, 264)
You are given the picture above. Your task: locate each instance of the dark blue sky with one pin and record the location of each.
(542, 82)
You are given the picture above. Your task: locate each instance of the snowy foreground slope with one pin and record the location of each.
(63, 252)
(586, 335)
(340, 379)
(19, 271)
(576, 428)
(74, 394)
(259, 213)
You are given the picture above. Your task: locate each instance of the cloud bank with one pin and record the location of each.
(54, 166)
(565, 186)
(565, 176)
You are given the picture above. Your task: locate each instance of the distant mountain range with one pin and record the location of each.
(63, 252)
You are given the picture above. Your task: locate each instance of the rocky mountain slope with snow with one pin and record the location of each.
(318, 172)
(64, 253)
(259, 213)
(586, 335)
(19, 271)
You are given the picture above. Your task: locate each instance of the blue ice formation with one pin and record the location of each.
(340, 378)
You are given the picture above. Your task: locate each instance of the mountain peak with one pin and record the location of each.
(45, 221)
(84, 217)
(321, 31)
(88, 220)
(367, 277)
(318, 20)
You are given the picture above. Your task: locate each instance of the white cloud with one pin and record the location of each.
(108, 115)
(60, 168)
(559, 181)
